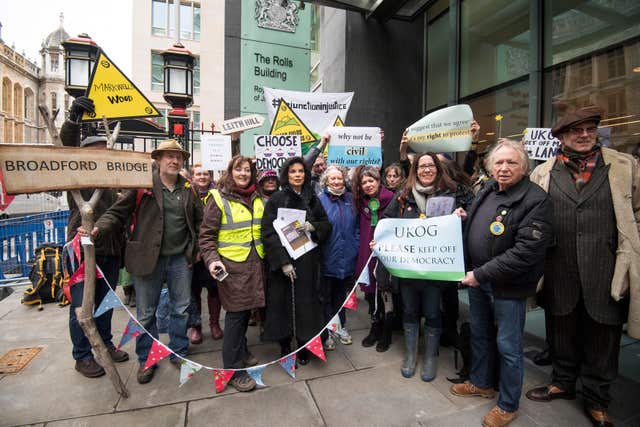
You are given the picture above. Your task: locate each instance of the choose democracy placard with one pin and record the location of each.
(421, 248)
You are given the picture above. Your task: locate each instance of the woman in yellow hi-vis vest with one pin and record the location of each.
(231, 245)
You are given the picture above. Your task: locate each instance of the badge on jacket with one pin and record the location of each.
(496, 228)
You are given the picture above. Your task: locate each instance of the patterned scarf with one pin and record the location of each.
(580, 165)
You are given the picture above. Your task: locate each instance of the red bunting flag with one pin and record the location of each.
(221, 378)
(315, 347)
(77, 277)
(352, 301)
(158, 352)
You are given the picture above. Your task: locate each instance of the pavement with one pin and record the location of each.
(355, 387)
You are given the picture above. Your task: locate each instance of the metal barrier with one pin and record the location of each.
(21, 236)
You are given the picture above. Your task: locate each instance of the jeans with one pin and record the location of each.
(110, 267)
(421, 298)
(501, 322)
(175, 271)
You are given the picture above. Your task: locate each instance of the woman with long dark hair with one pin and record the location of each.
(294, 285)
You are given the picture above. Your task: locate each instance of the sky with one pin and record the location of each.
(26, 23)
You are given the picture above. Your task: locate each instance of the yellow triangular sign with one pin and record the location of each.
(286, 122)
(338, 123)
(114, 95)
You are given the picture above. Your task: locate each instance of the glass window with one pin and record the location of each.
(186, 21)
(495, 43)
(55, 61)
(503, 113)
(196, 125)
(54, 102)
(159, 18)
(576, 28)
(438, 62)
(196, 22)
(610, 80)
(157, 72)
(172, 19)
(196, 76)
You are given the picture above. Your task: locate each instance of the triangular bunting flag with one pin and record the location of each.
(352, 301)
(364, 275)
(131, 331)
(109, 302)
(256, 374)
(289, 365)
(220, 379)
(158, 352)
(287, 122)
(77, 250)
(315, 347)
(187, 369)
(114, 95)
(78, 275)
(334, 324)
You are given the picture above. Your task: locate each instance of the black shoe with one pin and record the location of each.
(302, 357)
(543, 358)
(374, 334)
(387, 330)
(145, 376)
(89, 368)
(543, 394)
(118, 356)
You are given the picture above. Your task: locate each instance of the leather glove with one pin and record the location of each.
(289, 271)
(307, 226)
(79, 106)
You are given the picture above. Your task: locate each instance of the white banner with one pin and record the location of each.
(273, 150)
(215, 151)
(316, 110)
(421, 248)
(354, 146)
(443, 131)
(540, 143)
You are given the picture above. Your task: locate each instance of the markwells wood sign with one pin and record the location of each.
(36, 168)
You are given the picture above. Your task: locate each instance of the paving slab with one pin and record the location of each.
(470, 418)
(362, 357)
(376, 397)
(166, 416)
(286, 405)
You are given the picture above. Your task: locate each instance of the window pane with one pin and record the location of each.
(438, 61)
(196, 76)
(186, 22)
(196, 22)
(159, 18)
(172, 19)
(607, 80)
(157, 73)
(495, 43)
(512, 103)
(577, 28)
(195, 123)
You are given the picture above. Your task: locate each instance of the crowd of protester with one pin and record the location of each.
(576, 221)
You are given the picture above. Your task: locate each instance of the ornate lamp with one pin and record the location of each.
(80, 54)
(178, 90)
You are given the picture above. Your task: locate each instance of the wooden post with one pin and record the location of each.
(84, 314)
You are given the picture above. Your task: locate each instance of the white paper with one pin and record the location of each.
(215, 151)
(296, 242)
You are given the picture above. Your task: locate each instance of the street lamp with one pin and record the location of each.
(80, 54)
(178, 90)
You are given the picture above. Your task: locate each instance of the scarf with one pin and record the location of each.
(337, 193)
(421, 194)
(580, 165)
(245, 193)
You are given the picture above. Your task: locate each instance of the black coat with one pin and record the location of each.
(308, 307)
(517, 255)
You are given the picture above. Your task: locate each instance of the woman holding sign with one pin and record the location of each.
(294, 309)
(428, 192)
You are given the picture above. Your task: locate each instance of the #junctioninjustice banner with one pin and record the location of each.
(354, 146)
(443, 131)
(421, 248)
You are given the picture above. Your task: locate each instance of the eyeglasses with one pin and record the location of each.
(576, 131)
(427, 167)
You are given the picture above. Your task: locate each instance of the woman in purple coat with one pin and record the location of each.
(370, 199)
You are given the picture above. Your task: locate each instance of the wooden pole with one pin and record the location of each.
(84, 314)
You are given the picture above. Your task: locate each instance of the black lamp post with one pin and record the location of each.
(80, 54)
(178, 90)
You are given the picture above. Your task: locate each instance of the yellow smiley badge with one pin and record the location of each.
(496, 228)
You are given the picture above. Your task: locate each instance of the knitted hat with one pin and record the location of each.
(269, 173)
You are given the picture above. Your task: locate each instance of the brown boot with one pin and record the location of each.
(89, 368)
(466, 389)
(498, 417)
(214, 316)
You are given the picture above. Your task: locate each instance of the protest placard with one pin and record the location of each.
(35, 168)
(215, 151)
(353, 146)
(273, 150)
(421, 248)
(240, 124)
(540, 143)
(443, 131)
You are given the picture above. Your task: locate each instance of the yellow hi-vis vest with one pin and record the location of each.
(238, 228)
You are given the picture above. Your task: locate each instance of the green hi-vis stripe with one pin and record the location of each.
(454, 276)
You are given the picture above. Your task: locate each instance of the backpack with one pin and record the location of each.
(47, 277)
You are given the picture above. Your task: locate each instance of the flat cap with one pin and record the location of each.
(581, 115)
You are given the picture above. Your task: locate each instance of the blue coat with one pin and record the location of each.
(341, 249)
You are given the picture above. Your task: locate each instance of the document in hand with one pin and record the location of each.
(297, 241)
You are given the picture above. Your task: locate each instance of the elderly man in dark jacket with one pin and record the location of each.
(162, 248)
(507, 233)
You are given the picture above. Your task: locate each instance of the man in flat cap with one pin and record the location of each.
(162, 246)
(592, 272)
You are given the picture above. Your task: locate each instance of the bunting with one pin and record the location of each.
(158, 352)
(352, 301)
(315, 347)
(256, 374)
(334, 324)
(221, 378)
(110, 301)
(364, 275)
(187, 369)
(289, 364)
(132, 330)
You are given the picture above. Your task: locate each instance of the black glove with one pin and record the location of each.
(79, 106)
